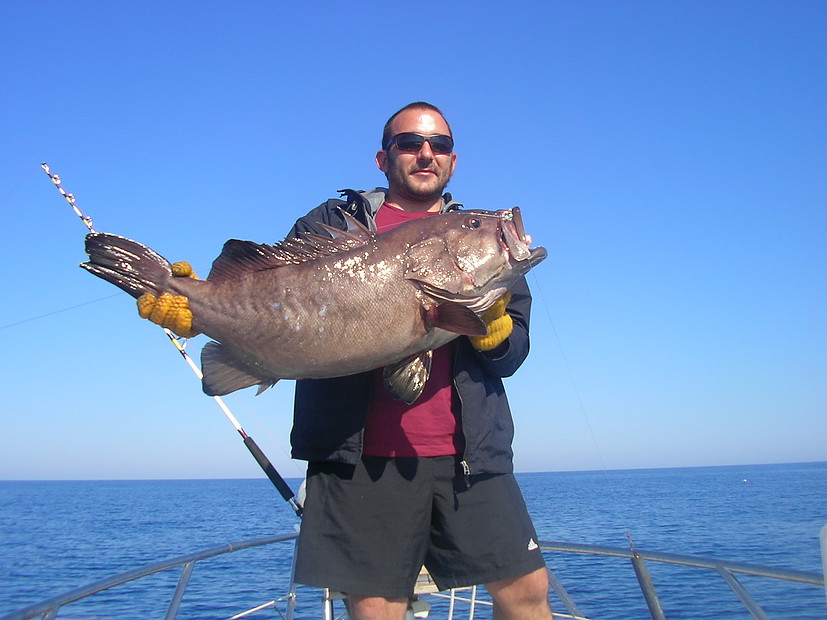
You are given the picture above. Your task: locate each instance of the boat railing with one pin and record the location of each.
(728, 571)
(48, 608)
(471, 597)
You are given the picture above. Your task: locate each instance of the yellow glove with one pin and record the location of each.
(499, 325)
(170, 311)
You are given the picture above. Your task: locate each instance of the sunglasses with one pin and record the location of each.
(412, 142)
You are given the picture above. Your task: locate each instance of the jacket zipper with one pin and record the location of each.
(466, 469)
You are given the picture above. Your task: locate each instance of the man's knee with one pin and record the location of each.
(517, 597)
(376, 608)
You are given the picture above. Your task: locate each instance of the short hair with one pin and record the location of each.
(416, 105)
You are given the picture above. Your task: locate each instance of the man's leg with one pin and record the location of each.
(365, 528)
(484, 535)
(376, 608)
(522, 598)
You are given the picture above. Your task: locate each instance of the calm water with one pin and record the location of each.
(55, 536)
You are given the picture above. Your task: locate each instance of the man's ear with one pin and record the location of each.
(382, 160)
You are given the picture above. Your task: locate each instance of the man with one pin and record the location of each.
(392, 486)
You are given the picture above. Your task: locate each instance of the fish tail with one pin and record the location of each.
(127, 264)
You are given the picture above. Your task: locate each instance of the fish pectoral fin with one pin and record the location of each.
(456, 318)
(224, 373)
(406, 379)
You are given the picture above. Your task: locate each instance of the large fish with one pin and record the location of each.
(324, 306)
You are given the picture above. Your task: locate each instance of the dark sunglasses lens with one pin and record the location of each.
(409, 142)
(413, 142)
(441, 144)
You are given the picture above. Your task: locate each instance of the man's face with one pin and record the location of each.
(422, 175)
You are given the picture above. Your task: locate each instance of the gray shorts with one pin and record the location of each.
(368, 529)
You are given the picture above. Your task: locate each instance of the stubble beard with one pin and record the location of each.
(403, 182)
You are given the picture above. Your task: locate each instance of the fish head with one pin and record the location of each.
(472, 257)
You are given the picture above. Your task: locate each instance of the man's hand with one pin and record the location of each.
(170, 311)
(499, 325)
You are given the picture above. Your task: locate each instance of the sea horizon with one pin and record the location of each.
(62, 534)
(516, 472)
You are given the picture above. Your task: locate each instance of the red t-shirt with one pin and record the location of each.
(430, 426)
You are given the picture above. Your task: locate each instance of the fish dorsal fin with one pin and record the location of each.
(224, 373)
(241, 257)
(354, 230)
(406, 379)
(456, 318)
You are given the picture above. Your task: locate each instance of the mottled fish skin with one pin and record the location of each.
(318, 307)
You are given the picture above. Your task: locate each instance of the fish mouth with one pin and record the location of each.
(516, 241)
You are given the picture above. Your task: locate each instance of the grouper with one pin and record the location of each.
(326, 306)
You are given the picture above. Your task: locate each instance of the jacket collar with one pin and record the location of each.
(372, 199)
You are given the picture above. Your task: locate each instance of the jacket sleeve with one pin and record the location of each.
(506, 359)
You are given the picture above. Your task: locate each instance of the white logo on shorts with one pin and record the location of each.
(532, 545)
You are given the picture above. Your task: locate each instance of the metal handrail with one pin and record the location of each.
(694, 561)
(726, 571)
(48, 608)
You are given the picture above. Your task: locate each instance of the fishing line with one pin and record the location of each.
(18, 184)
(43, 316)
(180, 345)
(604, 470)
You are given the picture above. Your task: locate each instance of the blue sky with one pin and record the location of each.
(670, 156)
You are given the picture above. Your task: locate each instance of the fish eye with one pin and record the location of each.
(473, 222)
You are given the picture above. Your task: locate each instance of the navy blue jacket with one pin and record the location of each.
(329, 414)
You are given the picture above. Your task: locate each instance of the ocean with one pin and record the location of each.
(56, 536)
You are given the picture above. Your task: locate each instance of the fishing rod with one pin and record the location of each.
(180, 345)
